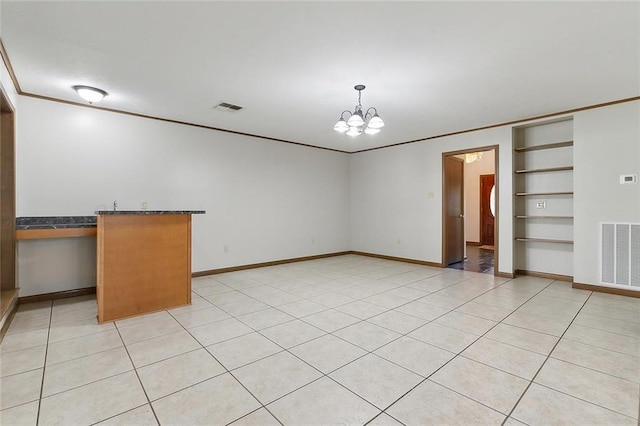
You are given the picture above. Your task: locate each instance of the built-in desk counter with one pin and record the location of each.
(55, 255)
(46, 227)
(143, 261)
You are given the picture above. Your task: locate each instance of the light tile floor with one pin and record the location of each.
(342, 340)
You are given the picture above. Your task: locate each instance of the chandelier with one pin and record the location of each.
(356, 122)
(470, 157)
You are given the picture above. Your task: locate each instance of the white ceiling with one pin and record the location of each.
(430, 67)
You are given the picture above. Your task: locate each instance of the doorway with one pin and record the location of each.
(470, 210)
(8, 293)
(454, 251)
(487, 210)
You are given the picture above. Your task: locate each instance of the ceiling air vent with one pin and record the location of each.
(224, 106)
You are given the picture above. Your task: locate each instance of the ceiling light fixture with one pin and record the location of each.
(470, 157)
(90, 94)
(356, 122)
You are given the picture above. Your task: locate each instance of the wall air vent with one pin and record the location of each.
(620, 254)
(224, 106)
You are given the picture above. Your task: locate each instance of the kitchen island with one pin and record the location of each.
(143, 261)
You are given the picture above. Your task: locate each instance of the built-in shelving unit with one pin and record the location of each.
(543, 217)
(526, 194)
(548, 169)
(543, 146)
(543, 197)
(544, 240)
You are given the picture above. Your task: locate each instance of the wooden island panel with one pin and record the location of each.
(144, 264)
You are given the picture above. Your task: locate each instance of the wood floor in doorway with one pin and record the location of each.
(479, 259)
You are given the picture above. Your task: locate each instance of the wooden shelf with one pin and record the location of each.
(548, 169)
(525, 194)
(543, 217)
(543, 240)
(6, 299)
(545, 146)
(41, 234)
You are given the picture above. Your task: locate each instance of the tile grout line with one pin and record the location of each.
(137, 375)
(592, 369)
(80, 357)
(77, 337)
(545, 361)
(116, 415)
(609, 331)
(44, 366)
(588, 402)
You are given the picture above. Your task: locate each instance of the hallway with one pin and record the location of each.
(479, 259)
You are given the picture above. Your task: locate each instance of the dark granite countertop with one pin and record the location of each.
(117, 212)
(55, 222)
(62, 222)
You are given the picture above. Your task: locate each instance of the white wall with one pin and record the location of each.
(268, 200)
(51, 265)
(391, 212)
(472, 173)
(606, 145)
(264, 200)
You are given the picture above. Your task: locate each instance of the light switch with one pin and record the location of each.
(429, 194)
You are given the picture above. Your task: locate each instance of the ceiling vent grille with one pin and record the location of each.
(224, 106)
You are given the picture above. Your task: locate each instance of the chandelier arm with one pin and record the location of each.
(345, 111)
(368, 114)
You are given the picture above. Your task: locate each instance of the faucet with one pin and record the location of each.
(115, 205)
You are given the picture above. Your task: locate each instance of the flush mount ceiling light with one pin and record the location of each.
(90, 94)
(356, 122)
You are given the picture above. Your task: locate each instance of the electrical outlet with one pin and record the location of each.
(226, 248)
(313, 240)
(144, 205)
(429, 194)
(398, 241)
(541, 205)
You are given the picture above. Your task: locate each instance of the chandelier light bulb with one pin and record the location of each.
(354, 131)
(341, 126)
(375, 122)
(356, 119)
(371, 131)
